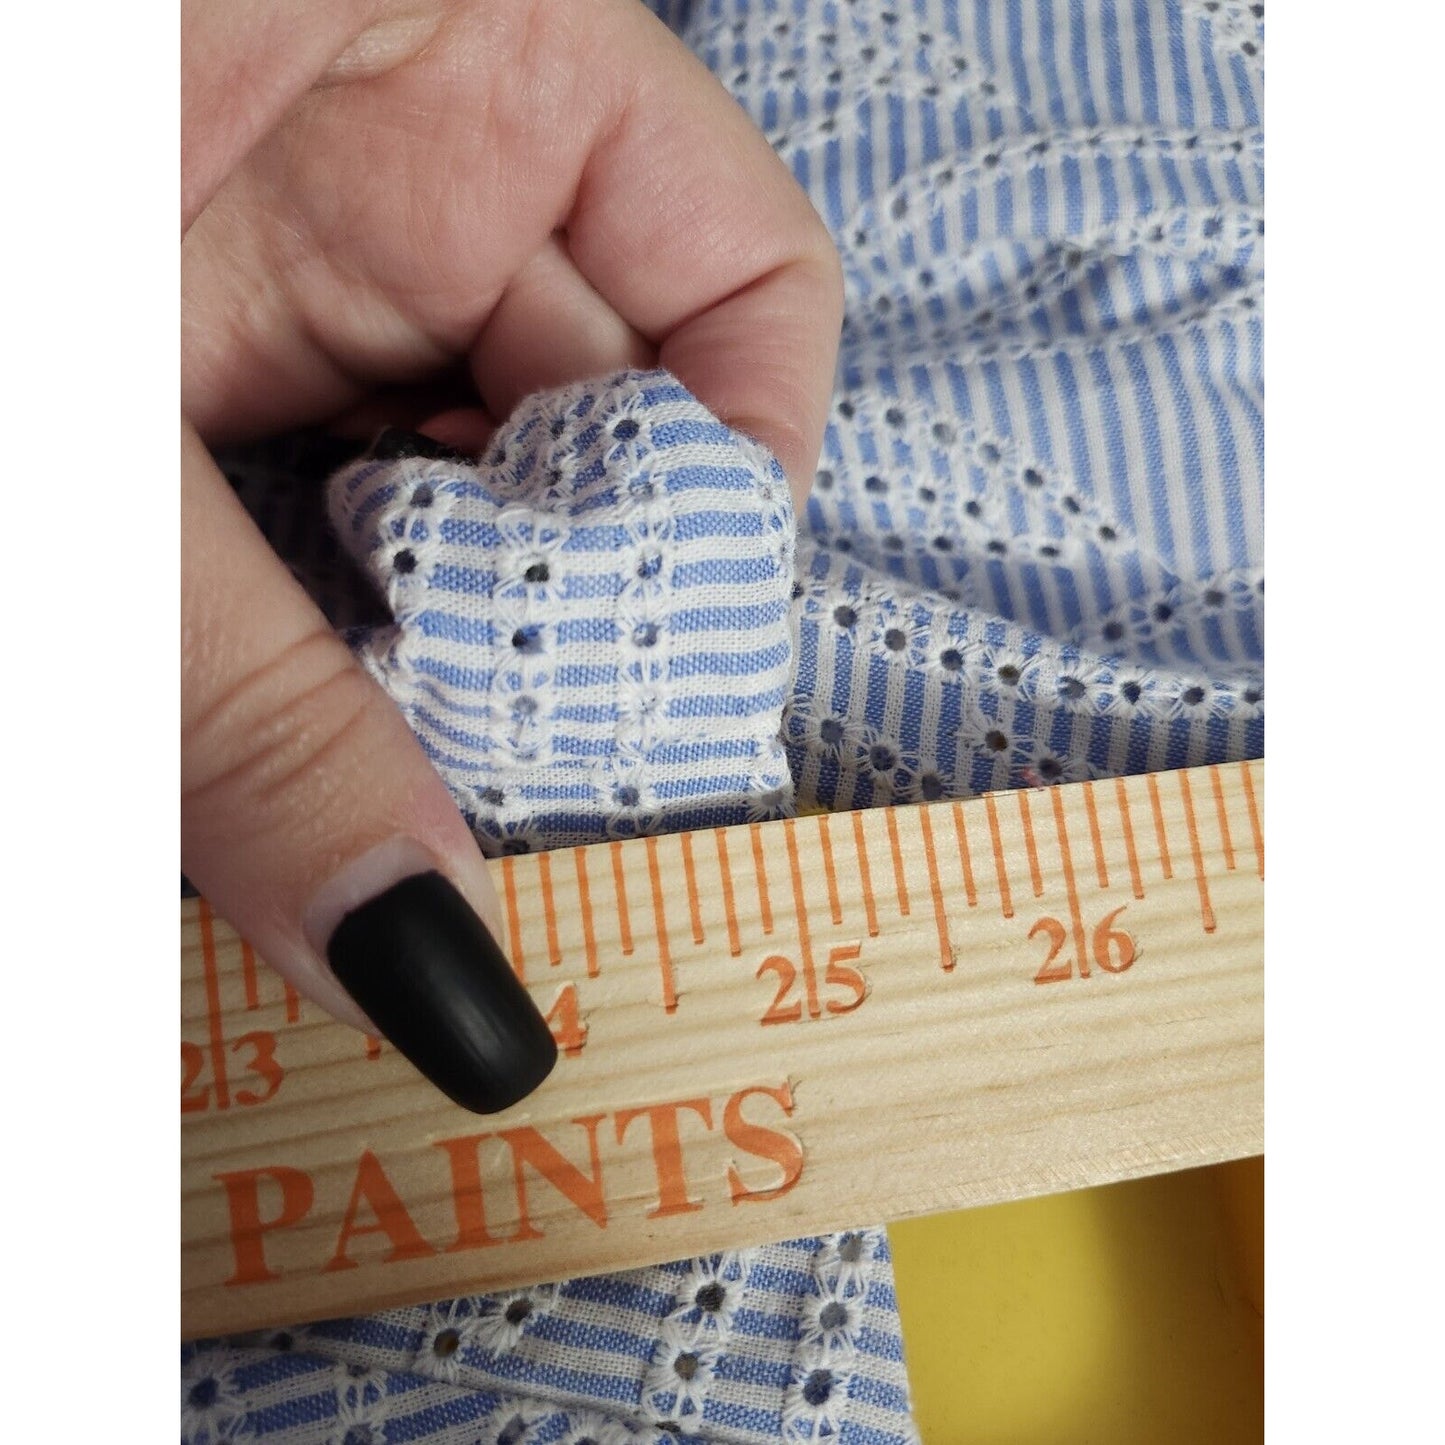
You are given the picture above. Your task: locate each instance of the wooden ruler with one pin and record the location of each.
(767, 1030)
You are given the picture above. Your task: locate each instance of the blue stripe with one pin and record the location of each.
(1144, 62)
(723, 664)
(1058, 113)
(1179, 64)
(1113, 66)
(1224, 441)
(1244, 87)
(1079, 55)
(448, 626)
(1189, 440)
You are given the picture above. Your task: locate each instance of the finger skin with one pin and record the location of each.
(690, 225)
(551, 328)
(245, 63)
(294, 763)
(373, 236)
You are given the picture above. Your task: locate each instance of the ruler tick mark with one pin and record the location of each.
(1128, 823)
(248, 976)
(800, 907)
(1003, 888)
(1095, 840)
(1110, 1071)
(664, 954)
(619, 883)
(549, 908)
(865, 874)
(935, 885)
(584, 900)
(760, 871)
(896, 848)
(1158, 809)
(1206, 910)
(1253, 816)
(213, 1006)
(1036, 876)
(694, 906)
(1066, 858)
(1224, 838)
(835, 903)
(735, 946)
(514, 921)
(293, 1004)
(970, 892)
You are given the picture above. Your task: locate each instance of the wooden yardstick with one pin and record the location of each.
(767, 1030)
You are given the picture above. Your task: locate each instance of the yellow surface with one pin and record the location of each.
(1132, 1313)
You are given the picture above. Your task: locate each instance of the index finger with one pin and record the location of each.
(696, 233)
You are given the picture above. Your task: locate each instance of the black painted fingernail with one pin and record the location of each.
(428, 974)
(396, 442)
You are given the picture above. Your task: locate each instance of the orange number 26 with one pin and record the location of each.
(1113, 949)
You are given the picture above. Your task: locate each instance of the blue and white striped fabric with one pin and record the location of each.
(795, 1341)
(591, 633)
(1034, 549)
(1033, 552)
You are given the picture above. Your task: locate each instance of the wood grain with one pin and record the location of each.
(769, 1030)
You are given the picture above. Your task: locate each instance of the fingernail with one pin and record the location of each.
(430, 976)
(396, 442)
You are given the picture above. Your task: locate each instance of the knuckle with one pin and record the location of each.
(276, 726)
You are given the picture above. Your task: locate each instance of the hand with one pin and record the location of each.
(374, 192)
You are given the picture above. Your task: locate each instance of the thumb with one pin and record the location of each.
(312, 820)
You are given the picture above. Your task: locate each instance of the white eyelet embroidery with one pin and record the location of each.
(592, 631)
(694, 1335)
(816, 1400)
